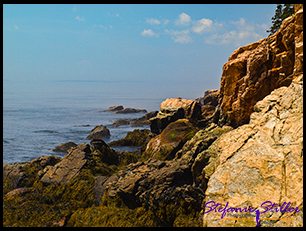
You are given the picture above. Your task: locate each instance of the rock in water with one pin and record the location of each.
(64, 147)
(99, 131)
(130, 110)
(115, 108)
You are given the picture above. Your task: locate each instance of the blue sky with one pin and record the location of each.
(179, 46)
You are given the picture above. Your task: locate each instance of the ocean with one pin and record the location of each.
(39, 116)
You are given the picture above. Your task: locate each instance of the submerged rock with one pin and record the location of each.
(115, 108)
(130, 110)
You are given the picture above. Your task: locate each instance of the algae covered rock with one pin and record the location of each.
(134, 138)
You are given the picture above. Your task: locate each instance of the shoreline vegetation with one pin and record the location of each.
(241, 145)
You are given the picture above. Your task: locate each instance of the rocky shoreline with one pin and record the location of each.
(240, 145)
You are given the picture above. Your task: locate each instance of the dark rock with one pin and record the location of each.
(64, 147)
(211, 97)
(115, 108)
(153, 181)
(106, 154)
(99, 131)
(138, 122)
(130, 110)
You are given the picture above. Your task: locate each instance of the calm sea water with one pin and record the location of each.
(38, 117)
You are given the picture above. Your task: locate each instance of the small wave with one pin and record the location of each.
(45, 131)
(80, 126)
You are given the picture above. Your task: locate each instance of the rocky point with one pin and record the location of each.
(237, 147)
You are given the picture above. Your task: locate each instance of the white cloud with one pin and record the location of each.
(180, 36)
(153, 21)
(149, 33)
(16, 27)
(202, 25)
(183, 20)
(79, 18)
(243, 33)
(118, 15)
(166, 21)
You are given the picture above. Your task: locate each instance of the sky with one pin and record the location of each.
(177, 46)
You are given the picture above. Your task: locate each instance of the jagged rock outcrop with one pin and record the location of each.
(253, 71)
(172, 110)
(84, 156)
(69, 167)
(19, 174)
(184, 167)
(208, 106)
(154, 181)
(262, 161)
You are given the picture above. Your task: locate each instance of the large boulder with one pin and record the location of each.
(174, 136)
(254, 71)
(262, 161)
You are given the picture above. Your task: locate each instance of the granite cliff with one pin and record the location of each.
(253, 71)
(239, 146)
